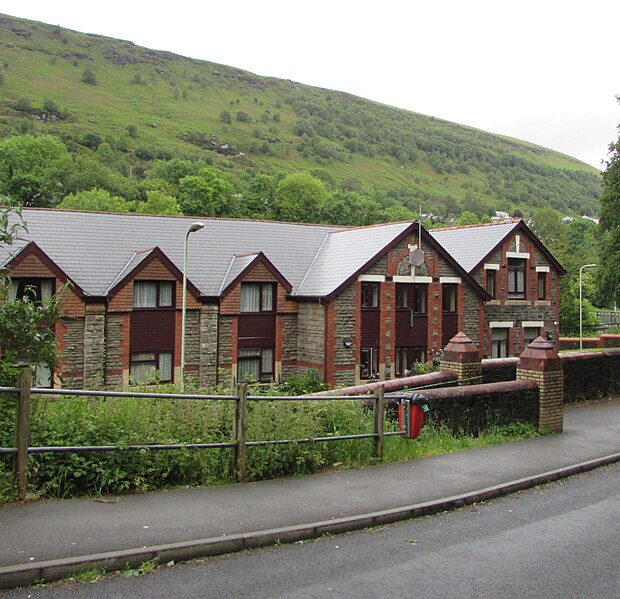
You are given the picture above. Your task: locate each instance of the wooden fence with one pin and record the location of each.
(239, 443)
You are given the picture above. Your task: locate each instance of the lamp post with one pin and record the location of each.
(581, 303)
(194, 227)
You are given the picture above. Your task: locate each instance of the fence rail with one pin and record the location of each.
(25, 391)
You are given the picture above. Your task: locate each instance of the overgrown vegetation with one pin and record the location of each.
(133, 421)
(114, 112)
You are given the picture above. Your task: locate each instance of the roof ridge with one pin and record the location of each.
(491, 224)
(186, 217)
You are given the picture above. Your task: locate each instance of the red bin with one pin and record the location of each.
(411, 415)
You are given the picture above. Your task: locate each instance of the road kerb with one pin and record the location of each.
(51, 570)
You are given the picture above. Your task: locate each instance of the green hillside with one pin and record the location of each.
(121, 107)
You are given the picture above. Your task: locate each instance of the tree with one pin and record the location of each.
(466, 218)
(300, 198)
(547, 224)
(98, 200)
(26, 326)
(350, 208)
(159, 203)
(205, 194)
(609, 271)
(225, 117)
(29, 169)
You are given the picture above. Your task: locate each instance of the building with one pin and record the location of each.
(267, 300)
(520, 275)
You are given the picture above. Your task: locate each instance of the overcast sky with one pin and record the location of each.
(544, 71)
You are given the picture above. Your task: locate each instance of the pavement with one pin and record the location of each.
(51, 539)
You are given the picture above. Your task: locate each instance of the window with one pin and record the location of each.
(149, 367)
(257, 297)
(411, 296)
(529, 334)
(406, 357)
(499, 343)
(255, 364)
(369, 365)
(419, 299)
(516, 278)
(449, 297)
(370, 295)
(34, 290)
(490, 283)
(402, 364)
(402, 295)
(542, 285)
(153, 294)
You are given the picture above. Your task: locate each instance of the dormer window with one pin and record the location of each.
(33, 290)
(152, 294)
(257, 297)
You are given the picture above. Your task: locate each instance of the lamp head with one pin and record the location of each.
(196, 227)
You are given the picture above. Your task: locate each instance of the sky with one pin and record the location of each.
(542, 71)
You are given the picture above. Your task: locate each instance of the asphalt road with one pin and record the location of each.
(559, 540)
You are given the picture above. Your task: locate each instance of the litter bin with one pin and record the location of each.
(411, 410)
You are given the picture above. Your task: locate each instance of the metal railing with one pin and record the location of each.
(239, 443)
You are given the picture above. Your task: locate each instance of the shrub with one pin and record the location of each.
(89, 77)
(23, 105)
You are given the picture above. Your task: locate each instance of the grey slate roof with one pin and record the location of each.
(469, 245)
(96, 250)
(344, 253)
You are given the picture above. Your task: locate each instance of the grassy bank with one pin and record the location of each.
(132, 421)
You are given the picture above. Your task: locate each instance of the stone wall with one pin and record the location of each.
(345, 358)
(192, 346)
(72, 359)
(115, 341)
(474, 408)
(590, 342)
(311, 337)
(499, 369)
(208, 345)
(471, 313)
(591, 375)
(290, 341)
(94, 346)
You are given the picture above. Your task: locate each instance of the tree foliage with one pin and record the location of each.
(300, 198)
(98, 200)
(609, 270)
(26, 326)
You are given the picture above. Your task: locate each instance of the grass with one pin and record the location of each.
(133, 421)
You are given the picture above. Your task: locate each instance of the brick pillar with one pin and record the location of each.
(462, 357)
(94, 345)
(539, 362)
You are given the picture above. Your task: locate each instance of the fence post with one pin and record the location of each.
(379, 409)
(240, 431)
(22, 431)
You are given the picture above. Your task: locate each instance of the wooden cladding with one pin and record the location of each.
(449, 327)
(411, 329)
(256, 330)
(371, 326)
(152, 330)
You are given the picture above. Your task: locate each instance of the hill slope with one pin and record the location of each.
(87, 89)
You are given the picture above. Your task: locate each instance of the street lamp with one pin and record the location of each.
(581, 304)
(194, 227)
